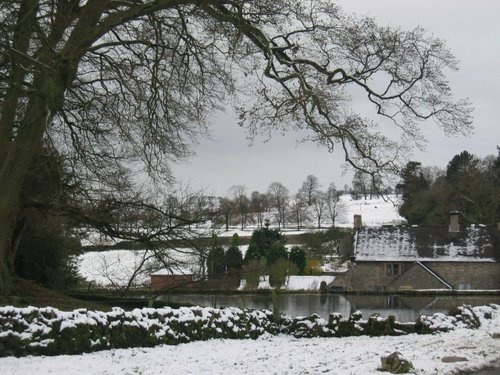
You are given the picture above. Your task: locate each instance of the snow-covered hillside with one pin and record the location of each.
(374, 212)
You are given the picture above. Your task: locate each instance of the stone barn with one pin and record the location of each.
(425, 258)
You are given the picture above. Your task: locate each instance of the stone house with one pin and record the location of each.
(424, 258)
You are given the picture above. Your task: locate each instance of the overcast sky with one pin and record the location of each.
(471, 30)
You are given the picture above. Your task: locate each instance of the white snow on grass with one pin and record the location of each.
(374, 212)
(116, 267)
(282, 355)
(113, 267)
(293, 283)
(311, 283)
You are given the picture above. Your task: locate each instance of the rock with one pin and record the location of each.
(495, 335)
(452, 359)
(395, 363)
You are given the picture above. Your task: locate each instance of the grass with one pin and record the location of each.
(28, 293)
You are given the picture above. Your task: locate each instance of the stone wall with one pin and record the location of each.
(468, 275)
(416, 277)
(372, 276)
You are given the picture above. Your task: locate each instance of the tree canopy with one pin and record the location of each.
(469, 185)
(113, 83)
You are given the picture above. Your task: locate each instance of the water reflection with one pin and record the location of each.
(404, 308)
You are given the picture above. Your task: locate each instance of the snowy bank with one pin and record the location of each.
(283, 354)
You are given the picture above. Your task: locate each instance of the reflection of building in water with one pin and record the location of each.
(307, 304)
(404, 308)
(424, 258)
(408, 308)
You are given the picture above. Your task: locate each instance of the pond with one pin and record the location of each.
(405, 308)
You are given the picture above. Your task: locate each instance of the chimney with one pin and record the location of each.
(358, 224)
(454, 224)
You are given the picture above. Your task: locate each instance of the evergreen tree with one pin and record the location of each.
(413, 183)
(234, 257)
(261, 241)
(460, 167)
(298, 257)
(235, 240)
(413, 180)
(276, 251)
(216, 260)
(470, 186)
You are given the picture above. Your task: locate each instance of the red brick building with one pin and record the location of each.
(163, 280)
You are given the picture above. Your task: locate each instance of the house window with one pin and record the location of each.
(392, 269)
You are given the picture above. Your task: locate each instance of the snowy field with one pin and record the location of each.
(455, 352)
(374, 212)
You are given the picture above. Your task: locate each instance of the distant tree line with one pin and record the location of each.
(469, 184)
(279, 207)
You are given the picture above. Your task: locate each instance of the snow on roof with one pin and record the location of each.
(424, 243)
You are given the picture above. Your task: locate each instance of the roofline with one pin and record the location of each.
(427, 260)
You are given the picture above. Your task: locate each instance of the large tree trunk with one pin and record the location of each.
(53, 73)
(48, 91)
(14, 165)
(6, 276)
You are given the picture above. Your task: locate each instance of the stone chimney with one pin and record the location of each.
(358, 224)
(454, 223)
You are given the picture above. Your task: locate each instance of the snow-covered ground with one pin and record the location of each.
(452, 352)
(374, 212)
(116, 267)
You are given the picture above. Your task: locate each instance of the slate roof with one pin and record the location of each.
(471, 244)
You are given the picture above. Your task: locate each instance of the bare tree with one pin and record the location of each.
(241, 202)
(258, 205)
(225, 208)
(360, 184)
(166, 236)
(278, 197)
(319, 206)
(335, 207)
(109, 82)
(299, 209)
(309, 188)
